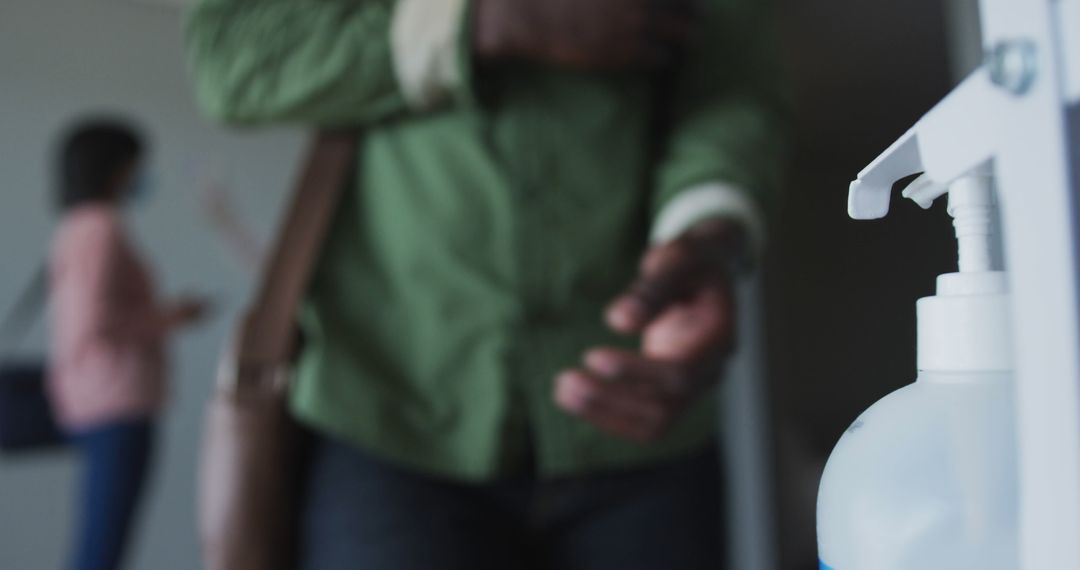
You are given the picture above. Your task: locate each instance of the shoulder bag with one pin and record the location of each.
(248, 470)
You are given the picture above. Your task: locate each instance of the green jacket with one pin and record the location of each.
(494, 213)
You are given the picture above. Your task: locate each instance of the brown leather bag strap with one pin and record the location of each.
(268, 332)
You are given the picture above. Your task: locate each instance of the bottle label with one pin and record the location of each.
(823, 566)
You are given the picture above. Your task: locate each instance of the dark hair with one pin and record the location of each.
(92, 154)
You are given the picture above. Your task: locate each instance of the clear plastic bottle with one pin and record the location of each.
(926, 477)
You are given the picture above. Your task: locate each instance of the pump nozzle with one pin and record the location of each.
(971, 205)
(924, 191)
(965, 327)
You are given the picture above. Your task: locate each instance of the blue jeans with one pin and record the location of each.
(116, 459)
(361, 513)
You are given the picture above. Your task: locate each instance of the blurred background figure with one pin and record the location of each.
(109, 333)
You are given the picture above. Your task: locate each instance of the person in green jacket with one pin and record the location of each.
(521, 313)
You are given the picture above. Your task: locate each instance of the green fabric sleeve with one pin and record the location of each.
(321, 62)
(727, 109)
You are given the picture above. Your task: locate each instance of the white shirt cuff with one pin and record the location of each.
(711, 200)
(424, 43)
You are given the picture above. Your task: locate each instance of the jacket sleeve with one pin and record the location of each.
(324, 62)
(726, 145)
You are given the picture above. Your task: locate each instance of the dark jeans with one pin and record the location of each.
(116, 457)
(361, 513)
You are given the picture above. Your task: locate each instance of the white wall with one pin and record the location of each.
(63, 58)
(59, 59)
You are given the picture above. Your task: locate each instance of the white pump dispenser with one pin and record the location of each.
(926, 477)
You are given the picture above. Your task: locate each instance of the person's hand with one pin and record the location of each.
(581, 34)
(682, 305)
(188, 311)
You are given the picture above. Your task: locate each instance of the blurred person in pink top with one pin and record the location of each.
(109, 332)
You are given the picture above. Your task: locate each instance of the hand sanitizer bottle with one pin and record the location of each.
(926, 478)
